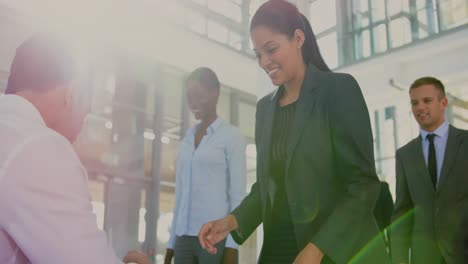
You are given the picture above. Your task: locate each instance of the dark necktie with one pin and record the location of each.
(431, 161)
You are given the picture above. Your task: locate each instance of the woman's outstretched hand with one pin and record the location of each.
(215, 231)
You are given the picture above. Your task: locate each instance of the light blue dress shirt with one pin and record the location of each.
(210, 180)
(440, 143)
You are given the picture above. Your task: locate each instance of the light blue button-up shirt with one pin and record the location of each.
(210, 180)
(440, 143)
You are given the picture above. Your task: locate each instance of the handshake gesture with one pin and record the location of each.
(215, 231)
(136, 257)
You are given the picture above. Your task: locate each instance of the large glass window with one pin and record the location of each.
(329, 48)
(458, 105)
(218, 32)
(235, 40)
(384, 125)
(246, 123)
(227, 21)
(228, 8)
(319, 21)
(223, 21)
(196, 22)
(381, 25)
(400, 32)
(224, 104)
(324, 27)
(453, 13)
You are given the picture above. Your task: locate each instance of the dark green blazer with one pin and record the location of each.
(427, 220)
(384, 208)
(331, 181)
(463, 241)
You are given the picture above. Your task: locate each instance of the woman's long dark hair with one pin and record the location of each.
(284, 17)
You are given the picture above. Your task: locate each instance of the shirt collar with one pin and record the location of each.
(215, 125)
(441, 131)
(19, 106)
(211, 128)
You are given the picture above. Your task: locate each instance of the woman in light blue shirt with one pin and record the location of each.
(210, 178)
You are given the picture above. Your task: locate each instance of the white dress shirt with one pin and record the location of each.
(440, 143)
(45, 208)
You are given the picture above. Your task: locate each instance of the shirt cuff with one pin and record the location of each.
(230, 243)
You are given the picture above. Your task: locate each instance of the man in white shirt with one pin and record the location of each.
(46, 214)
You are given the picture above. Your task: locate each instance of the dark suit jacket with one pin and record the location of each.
(384, 207)
(463, 242)
(331, 182)
(427, 220)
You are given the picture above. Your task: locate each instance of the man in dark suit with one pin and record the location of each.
(432, 180)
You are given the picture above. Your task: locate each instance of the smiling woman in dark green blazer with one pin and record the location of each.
(316, 183)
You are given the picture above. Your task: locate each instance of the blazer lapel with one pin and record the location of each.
(267, 130)
(453, 144)
(420, 164)
(304, 106)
